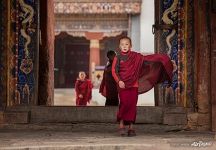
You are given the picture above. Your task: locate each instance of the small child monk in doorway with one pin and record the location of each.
(83, 88)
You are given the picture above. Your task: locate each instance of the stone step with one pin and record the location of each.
(91, 127)
(174, 110)
(98, 114)
(89, 147)
(15, 117)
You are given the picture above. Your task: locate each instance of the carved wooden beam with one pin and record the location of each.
(96, 1)
(101, 7)
(94, 22)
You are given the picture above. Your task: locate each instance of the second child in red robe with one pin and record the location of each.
(83, 88)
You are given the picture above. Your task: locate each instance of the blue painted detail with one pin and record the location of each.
(174, 42)
(27, 78)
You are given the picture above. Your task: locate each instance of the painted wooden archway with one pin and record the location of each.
(191, 47)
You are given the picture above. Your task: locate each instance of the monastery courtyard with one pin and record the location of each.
(67, 97)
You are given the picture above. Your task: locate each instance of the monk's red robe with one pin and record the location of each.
(84, 88)
(140, 74)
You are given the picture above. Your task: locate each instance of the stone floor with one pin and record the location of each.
(93, 136)
(66, 97)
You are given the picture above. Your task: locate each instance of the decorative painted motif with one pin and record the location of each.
(171, 10)
(174, 13)
(26, 66)
(97, 8)
(185, 56)
(25, 21)
(172, 38)
(26, 15)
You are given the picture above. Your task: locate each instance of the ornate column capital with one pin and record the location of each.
(94, 35)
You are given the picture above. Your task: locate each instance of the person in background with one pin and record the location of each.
(108, 87)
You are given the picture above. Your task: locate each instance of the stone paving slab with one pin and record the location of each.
(66, 97)
(102, 137)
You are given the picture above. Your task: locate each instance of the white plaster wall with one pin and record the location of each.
(146, 22)
(147, 43)
(135, 32)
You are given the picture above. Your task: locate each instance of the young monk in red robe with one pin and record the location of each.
(108, 87)
(83, 88)
(136, 74)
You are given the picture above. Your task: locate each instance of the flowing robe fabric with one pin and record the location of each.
(140, 74)
(108, 87)
(84, 88)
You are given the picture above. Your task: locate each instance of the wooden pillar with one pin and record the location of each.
(46, 53)
(94, 38)
(4, 51)
(202, 51)
(213, 64)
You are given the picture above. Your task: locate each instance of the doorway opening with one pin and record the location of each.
(74, 38)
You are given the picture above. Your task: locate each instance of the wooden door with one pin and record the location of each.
(76, 60)
(71, 56)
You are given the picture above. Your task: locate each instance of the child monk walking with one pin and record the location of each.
(136, 74)
(83, 88)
